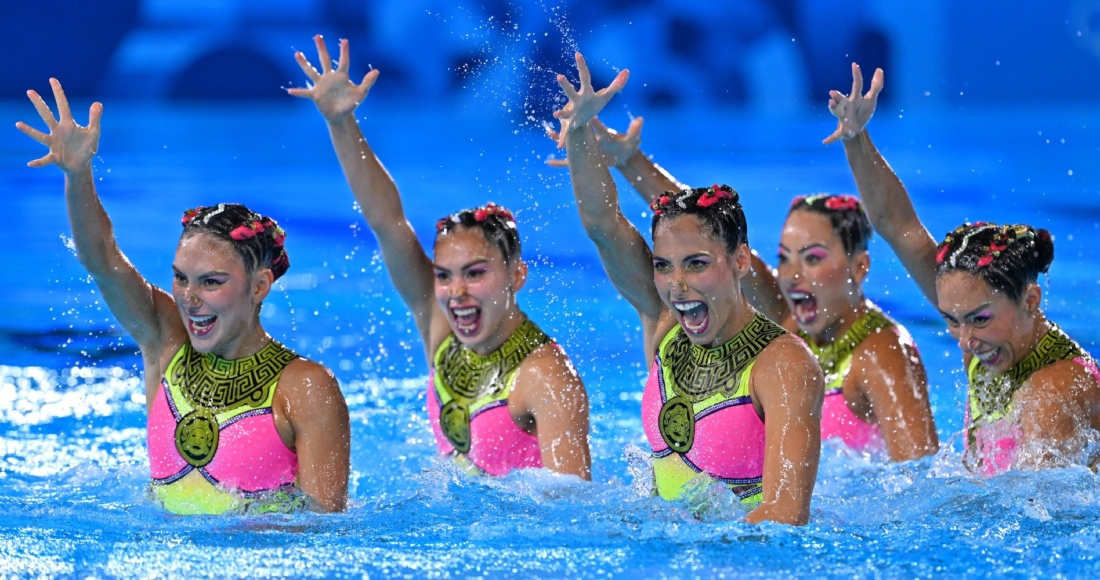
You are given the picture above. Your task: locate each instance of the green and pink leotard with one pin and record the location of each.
(213, 445)
(837, 419)
(698, 415)
(991, 436)
(468, 403)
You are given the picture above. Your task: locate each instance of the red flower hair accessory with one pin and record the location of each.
(712, 196)
(842, 203)
(940, 255)
(246, 231)
(190, 215)
(482, 213)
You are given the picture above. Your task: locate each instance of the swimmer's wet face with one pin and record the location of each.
(986, 286)
(217, 298)
(821, 282)
(986, 323)
(699, 279)
(476, 288)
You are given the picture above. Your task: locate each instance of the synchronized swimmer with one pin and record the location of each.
(751, 367)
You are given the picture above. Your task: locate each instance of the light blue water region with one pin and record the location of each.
(73, 470)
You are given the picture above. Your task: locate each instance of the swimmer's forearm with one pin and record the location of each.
(884, 196)
(371, 184)
(648, 179)
(597, 196)
(93, 235)
(891, 212)
(762, 290)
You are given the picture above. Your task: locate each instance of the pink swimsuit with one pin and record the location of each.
(837, 418)
(468, 403)
(992, 441)
(497, 444)
(708, 424)
(232, 444)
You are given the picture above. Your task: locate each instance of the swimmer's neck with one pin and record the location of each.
(829, 334)
(501, 334)
(244, 345)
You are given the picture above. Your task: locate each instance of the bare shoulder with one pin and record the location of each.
(892, 347)
(548, 364)
(1056, 384)
(304, 380)
(789, 352)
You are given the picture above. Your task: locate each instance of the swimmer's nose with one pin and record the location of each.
(967, 342)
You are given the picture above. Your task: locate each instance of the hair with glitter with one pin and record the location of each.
(496, 223)
(716, 206)
(257, 239)
(845, 214)
(1007, 257)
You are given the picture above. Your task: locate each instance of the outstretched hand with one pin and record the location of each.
(855, 110)
(586, 103)
(332, 90)
(617, 148)
(71, 146)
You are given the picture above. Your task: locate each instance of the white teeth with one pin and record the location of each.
(202, 319)
(986, 356)
(797, 295)
(470, 311)
(685, 306)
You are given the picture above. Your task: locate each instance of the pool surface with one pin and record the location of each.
(73, 469)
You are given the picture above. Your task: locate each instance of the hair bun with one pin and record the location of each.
(1043, 252)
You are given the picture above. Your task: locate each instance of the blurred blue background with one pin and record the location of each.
(760, 55)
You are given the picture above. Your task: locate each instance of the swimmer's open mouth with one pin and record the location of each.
(467, 320)
(694, 316)
(804, 306)
(989, 357)
(201, 325)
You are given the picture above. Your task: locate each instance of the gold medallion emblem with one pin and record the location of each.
(677, 424)
(197, 437)
(454, 420)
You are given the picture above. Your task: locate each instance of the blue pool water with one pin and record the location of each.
(73, 469)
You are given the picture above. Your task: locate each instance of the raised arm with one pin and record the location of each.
(146, 312)
(623, 251)
(336, 97)
(788, 386)
(622, 150)
(888, 205)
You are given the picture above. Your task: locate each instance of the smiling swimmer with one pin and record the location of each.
(502, 394)
(237, 422)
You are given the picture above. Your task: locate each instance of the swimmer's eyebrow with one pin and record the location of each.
(980, 307)
(201, 276)
(698, 255)
(466, 266)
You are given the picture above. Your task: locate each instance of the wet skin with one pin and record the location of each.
(814, 267)
(209, 279)
(684, 251)
(986, 323)
(471, 273)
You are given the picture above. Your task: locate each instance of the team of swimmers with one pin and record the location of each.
(751, 367)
